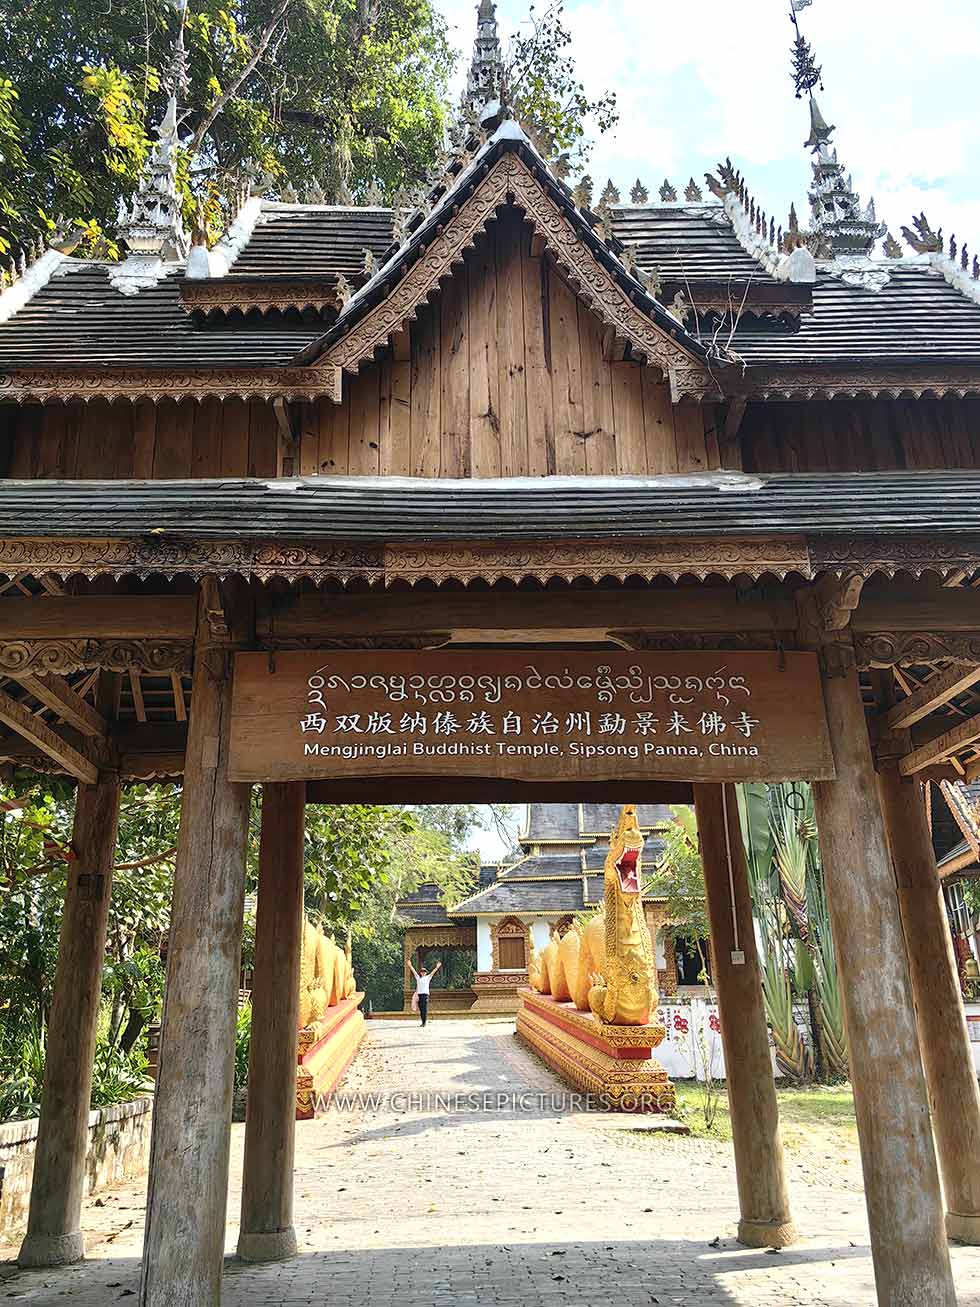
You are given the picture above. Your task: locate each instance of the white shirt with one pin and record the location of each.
(422, 984)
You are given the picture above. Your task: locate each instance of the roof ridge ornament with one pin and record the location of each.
(485, 79)
(152, 226)
(842, 228)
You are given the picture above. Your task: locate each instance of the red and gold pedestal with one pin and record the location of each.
(326, 1050)
(615, 1064)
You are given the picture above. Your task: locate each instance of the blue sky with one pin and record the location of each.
(701, 79)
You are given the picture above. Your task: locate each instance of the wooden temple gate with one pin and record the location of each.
(210, 469)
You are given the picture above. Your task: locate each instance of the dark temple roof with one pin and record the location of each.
(945, 503)
(524, 896)
(79, 320)
(601, 818)
(554, 880)
(424, 907)
(692, 242)
(304, 240)
(918, 316)
(547, 863)
(551, 822)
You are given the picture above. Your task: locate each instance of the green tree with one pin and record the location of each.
(433, 852)
(679, 877)
(346, 92)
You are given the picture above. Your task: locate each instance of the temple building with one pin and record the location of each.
(557, 879)
(698, 492)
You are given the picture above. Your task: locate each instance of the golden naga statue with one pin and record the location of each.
(326, 977)
(607, 966)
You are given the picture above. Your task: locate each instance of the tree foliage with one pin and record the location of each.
(330, 91)
(546, 92)
(348, 96)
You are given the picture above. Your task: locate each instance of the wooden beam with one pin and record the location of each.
(939, 749)
(129, 617)
(180, 703)
(930, 696)
(57, 694)
(579, 615)
(47, 740)
(136, 686)
(917, 606)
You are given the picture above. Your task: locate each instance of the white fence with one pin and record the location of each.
(693, 1041)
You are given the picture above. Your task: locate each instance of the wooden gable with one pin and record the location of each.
(505, 372)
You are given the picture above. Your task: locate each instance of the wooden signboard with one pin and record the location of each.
(529, 716)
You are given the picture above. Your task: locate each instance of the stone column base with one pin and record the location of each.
(51, 1250)
(267, 1246)
(964, 1229)
(766, 1234)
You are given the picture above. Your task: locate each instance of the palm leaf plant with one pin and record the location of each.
(826, 982)
(759, 832)
(791, 853)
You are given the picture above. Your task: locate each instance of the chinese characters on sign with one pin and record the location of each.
(555, 716)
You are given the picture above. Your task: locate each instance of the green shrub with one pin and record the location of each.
(243, 1038)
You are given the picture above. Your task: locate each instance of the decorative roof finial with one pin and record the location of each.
(841, 227)
(152, 226)
(485, 80)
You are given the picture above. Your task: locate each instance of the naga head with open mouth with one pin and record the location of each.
(627, 850)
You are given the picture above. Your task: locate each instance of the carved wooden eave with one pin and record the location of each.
(739, 297)
(64, 656)
(617, 300)
(884, 649)
(964, 813)
(225, 295)
(673, 557)
(864, 382)
(412, 564)
(43, 385)
(600, 560)
(891, 555)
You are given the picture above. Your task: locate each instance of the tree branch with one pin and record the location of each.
(206, 123)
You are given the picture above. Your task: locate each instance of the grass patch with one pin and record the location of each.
(810, 1115)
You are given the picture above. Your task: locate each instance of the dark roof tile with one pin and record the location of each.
(362, 510)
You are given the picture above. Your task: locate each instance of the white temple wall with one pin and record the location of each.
(541, 931)
(484, 947)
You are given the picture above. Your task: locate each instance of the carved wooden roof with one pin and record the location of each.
(886, 327)
(508, 171)
(379, 530)
(917, 317)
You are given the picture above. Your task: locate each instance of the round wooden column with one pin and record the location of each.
(183, 1247)
(901, 1180)
(766, 1220)
(267, 1233)
(943, 1036)
(53, 1234)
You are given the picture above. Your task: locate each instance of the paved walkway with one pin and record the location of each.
(525, 1205)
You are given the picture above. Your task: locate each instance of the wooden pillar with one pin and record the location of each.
(908, 1241)
(267, 1233)
(766, 1220)
(943, 1036)
(188, 1188)
(53, 1234)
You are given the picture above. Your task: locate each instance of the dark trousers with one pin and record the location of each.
(423, 1007)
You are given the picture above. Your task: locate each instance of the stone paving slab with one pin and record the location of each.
(511, 1205)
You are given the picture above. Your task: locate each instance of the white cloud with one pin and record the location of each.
(699, 81)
